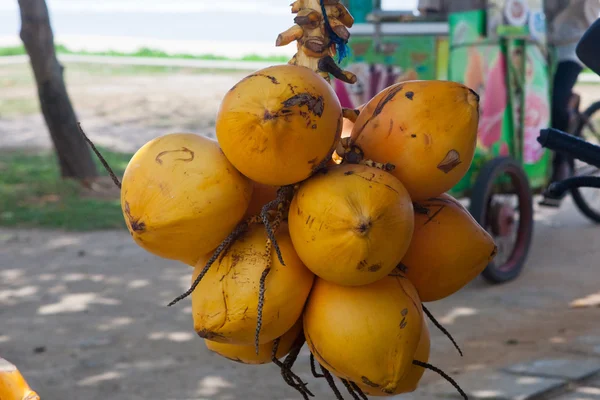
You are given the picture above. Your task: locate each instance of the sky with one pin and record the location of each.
(175, 6)
(107, 22)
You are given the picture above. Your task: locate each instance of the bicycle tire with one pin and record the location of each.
(481, 195)
(578, 198)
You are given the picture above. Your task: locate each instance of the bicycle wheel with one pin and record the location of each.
(506, 212)
(587, 200)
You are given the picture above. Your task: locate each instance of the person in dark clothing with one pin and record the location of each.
(565, 79)
(567, 22)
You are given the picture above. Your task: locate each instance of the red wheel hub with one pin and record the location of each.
(503, 219)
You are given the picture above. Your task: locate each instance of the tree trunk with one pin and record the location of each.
(74, 156)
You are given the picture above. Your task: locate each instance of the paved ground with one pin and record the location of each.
(85, 316)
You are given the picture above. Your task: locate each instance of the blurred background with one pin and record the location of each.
(83, 309)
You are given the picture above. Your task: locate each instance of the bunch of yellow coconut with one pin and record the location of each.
(298, 235)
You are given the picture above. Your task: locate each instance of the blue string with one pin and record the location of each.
(341, 46)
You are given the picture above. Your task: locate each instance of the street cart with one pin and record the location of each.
(500, 52)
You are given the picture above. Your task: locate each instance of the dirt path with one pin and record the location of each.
(124, 107)
(85, 316)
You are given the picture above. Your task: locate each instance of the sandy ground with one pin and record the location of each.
(84, 315)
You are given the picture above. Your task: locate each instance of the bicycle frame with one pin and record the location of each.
(576, 148)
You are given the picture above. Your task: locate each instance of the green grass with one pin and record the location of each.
(32, 194)
(146, 52)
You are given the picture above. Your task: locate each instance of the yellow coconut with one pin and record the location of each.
(351, 225)
(181, 197)
(13, 385)
(261, 195)
(278, 124)
(246, 354)
(411, 381)
(448, 250)
(366, 333)
(427, 129)
(225, 303)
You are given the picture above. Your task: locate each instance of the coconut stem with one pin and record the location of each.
(359, 391)
(443, 375)
(283, 200)
(290, 377)
(350, 114)
(352, 154)
(331, 383)
(350, 390)
(107, 167)
(355, 391)
(442, 329)
(261, 296)
(313, 367)
(319, 36)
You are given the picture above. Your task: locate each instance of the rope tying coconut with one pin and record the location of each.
(350, 390)
(443, 375)
(261, 302)
(341, 45)
(331, 383)
(107, 167)
(442, 329)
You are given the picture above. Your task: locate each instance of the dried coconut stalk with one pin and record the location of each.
(317, 36)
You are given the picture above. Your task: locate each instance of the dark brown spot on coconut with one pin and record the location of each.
(206, 334)
(403, 323)
(413, 136)
(347, 173)
(449, 162)
(362, 265)
(235, 259)
(136, 225)
(313, 162)
(366, 381)
(391, 188)
(379, 108)
(389, 97)
(435, 214)
(404, 312)
(391, 127)
(269, 77)
(234, 359)
(315, 104)
(187, 158)
(375, 267)
(364, 227)
(474, 93)
(409, 95)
